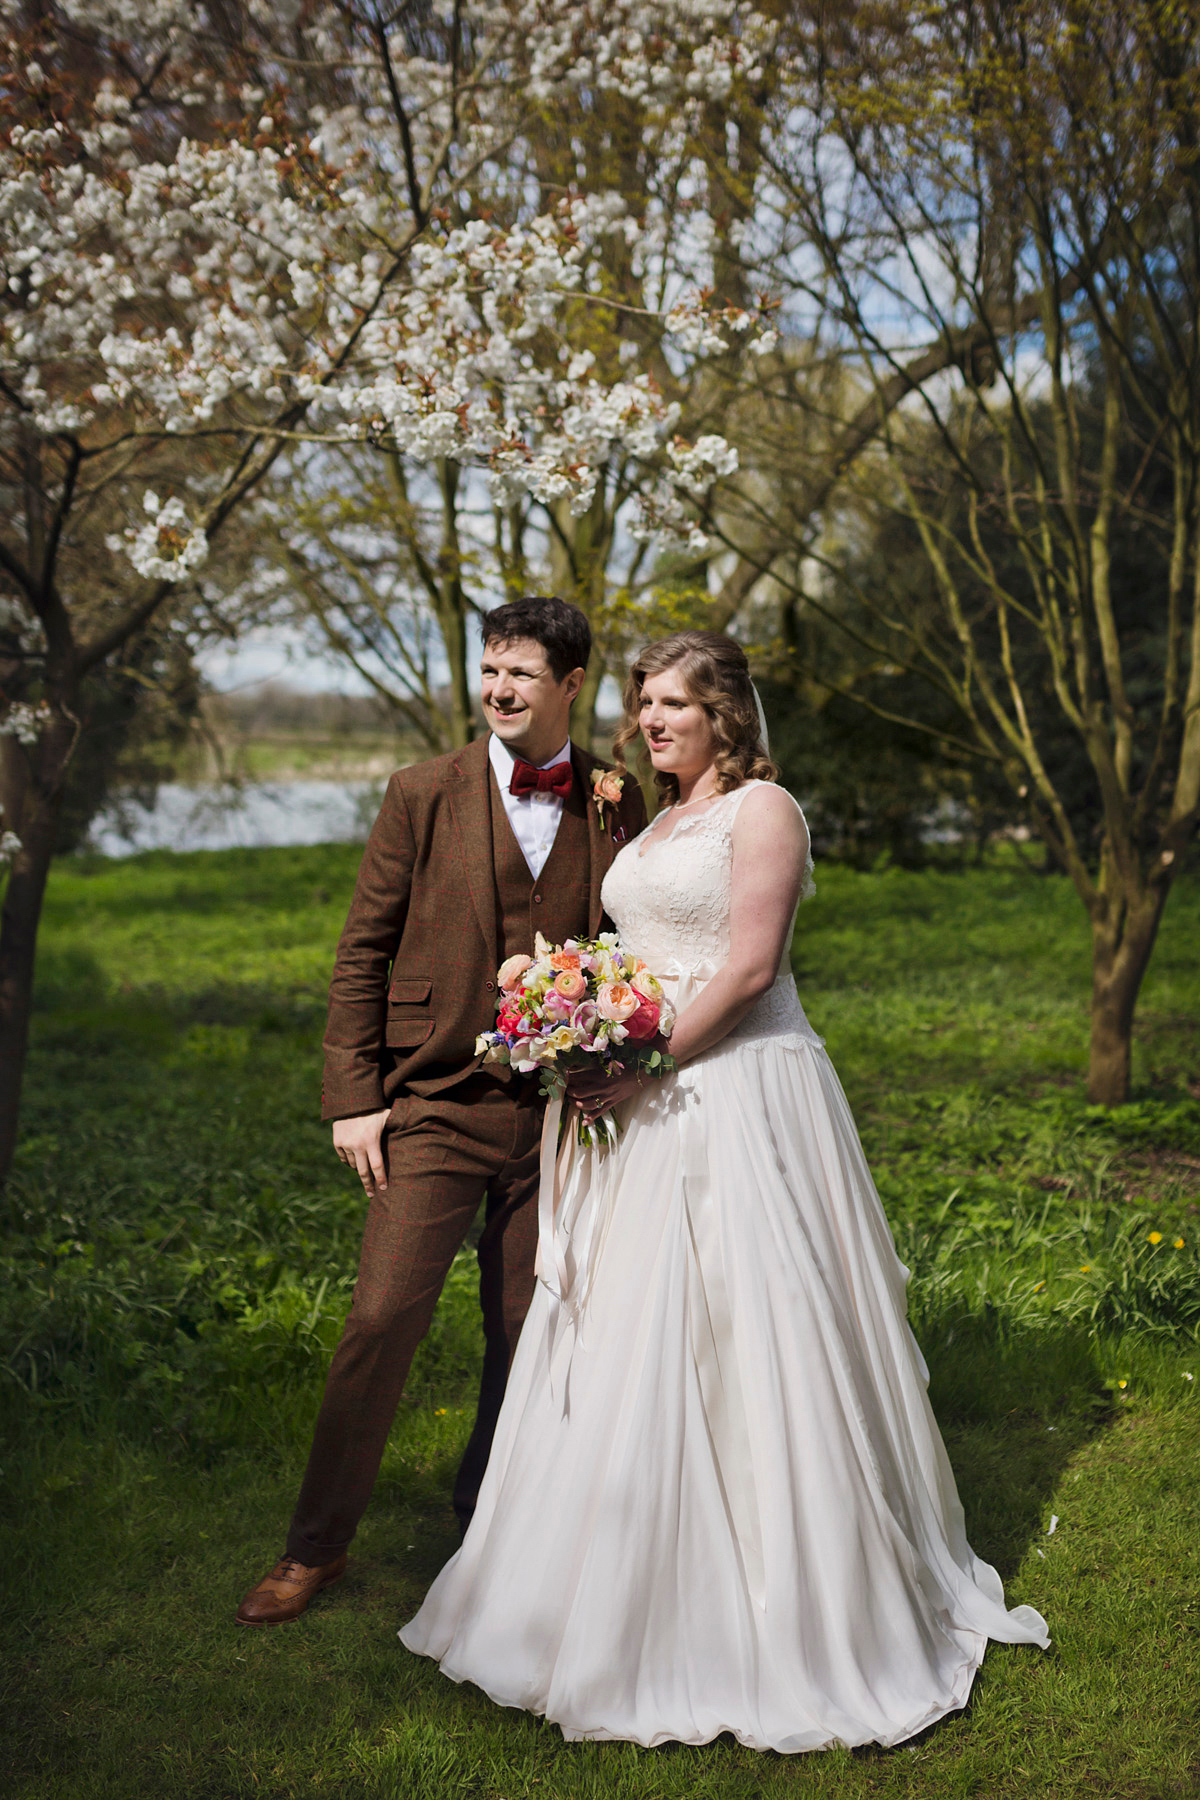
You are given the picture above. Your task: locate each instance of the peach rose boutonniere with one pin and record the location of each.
(607, 788)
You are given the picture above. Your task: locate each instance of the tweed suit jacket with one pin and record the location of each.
(414, 980)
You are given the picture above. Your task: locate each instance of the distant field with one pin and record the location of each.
(276, 755)
(180, 1252)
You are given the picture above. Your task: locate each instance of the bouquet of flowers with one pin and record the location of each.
(578, 1005)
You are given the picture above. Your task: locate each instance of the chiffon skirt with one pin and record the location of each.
(718, 1499)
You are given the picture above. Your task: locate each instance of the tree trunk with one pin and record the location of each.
(452, 609)
(585, 707)
(36, 824)
(1122, 939)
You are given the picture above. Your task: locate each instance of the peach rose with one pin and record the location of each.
(608, 786)
(571, 984)
(606, 789)
(566, 959)
(616, 1000)
(511, 971)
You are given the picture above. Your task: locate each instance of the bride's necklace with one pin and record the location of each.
(682, 805)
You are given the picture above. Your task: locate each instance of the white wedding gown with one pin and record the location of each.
(717, 1498)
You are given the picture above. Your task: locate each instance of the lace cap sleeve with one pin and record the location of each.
(808, 884)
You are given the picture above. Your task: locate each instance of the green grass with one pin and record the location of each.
(179, 1258)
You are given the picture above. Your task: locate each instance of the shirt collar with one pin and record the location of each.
(504, 762)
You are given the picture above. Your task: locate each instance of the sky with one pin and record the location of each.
(277, 653)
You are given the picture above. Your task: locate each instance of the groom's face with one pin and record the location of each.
(524, 703)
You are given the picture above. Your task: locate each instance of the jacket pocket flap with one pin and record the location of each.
(405, 1034)
(409, 993)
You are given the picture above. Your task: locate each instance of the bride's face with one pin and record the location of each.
(678, 735)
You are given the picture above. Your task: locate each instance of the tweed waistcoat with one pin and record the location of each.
(556, 904)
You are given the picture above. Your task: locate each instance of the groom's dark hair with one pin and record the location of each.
(560, 628)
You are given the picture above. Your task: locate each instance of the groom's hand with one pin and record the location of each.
(359, 1143)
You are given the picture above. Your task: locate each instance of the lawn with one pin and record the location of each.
(180, 1249)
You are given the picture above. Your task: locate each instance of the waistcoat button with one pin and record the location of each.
(537, 899)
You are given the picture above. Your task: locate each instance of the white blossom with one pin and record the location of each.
(167, 548)
(25, 722)
(214, 285)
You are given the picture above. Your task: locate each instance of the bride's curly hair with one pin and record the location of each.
(716, 676)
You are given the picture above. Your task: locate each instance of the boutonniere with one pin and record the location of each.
(607, 788)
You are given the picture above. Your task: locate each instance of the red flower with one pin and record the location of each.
(642, 1025)
(508, 1019)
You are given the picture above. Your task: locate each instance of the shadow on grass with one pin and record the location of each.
(1015, 1403)
(226, 883)
(76, 993)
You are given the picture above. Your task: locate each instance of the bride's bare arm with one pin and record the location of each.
(770, 847)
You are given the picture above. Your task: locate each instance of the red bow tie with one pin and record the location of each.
(528, 780)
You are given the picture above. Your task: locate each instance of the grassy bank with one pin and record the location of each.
(180, 1253)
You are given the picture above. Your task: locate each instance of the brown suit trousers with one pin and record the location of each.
(443, 1156)
(449, 1142)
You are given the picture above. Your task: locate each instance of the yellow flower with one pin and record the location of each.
(1178, 1243)
(1123, 1383)
(1039, 1287)
(1085, 1268)
(1154, 1237)
(439, 1412)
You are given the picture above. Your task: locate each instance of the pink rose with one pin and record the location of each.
(616, 1000)
(511, 971)
(571, 984)
(642, 1024)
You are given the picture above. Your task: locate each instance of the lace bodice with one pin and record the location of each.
(670, 896)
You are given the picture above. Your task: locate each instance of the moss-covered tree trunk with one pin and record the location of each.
(33, 781)
(1123, 935)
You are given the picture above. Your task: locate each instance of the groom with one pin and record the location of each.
(471, 856)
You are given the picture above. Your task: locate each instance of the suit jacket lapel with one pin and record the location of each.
(472, 814)
(600, 844)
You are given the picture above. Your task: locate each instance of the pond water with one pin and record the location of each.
(259, 814)
(252, 816)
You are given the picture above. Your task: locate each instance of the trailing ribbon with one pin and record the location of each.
(575, 1191)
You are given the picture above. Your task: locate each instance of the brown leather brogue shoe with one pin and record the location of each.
(285, 1593)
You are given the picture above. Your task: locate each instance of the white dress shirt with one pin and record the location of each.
(533, 817)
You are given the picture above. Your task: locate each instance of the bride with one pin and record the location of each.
(717, 1498)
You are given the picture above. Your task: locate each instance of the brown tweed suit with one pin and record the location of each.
(443, 893)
